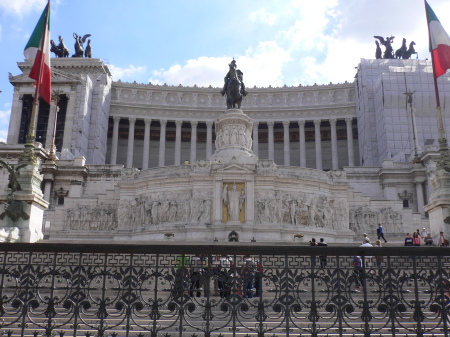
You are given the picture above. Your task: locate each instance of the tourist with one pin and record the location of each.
(408, 240)
(358, 271)
(380, 233)
(248, 275)
(195, 276)
(442, 242)
(424, 233)
(416, 239)
(428, 240)
(313, 257)
(378, 258)
(366, 238)
(368, 259)
(322, 258)
(258, 278)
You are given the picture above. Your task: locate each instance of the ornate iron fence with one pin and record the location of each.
(222, 290)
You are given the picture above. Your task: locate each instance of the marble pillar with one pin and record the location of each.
(209, 125)
(193, 141)
(178, 125)
(286, 148)
(146, 150)
(255, 138)
(130, 150)
(271, 141)
(334, 150)
(162, 142)
(302, 145)
(318, 143)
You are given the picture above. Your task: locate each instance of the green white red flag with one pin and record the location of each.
(439, 43)
(37, 52)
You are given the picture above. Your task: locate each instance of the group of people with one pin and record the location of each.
(418, 237)
(194, 273)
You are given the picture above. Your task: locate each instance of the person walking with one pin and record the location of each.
(378, 258)
(380, 233)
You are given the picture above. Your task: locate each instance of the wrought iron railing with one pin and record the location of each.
(212, 290)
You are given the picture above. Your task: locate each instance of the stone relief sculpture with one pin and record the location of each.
(362, 218)
(165, 208)
(101, 217)
(234, 199)
(300, 209)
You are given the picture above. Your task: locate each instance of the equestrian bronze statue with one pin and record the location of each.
(234, 87)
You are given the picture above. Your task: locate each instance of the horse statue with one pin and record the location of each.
(402, 50)
(407, 54)
(234, 87)
(62, 47)
(54, 49)
(79, 50)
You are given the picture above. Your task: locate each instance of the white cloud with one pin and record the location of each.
(263, 16)
(262, 66)
(124, 73)
(21, 7)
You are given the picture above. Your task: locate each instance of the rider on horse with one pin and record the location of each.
(228, 77)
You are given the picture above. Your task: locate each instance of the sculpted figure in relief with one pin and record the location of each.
(234, 200)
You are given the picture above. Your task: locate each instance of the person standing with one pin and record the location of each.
(322, 258)
(428, 240)
(378, 258)
(416, 239)
(408, 240)
(366, 238)
(441, 240)
(313, 243)
(358, 271)
(424, 233)
(380, 233)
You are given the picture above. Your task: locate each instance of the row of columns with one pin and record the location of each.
(193, 151)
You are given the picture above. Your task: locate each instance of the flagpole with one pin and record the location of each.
(28, 155)
(442, 140)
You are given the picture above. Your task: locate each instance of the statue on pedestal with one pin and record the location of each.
(234, 199)
(234, 86)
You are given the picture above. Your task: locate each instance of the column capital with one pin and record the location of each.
(270, 124)
(178, 123)
(147, 120)
(209, 123)
(117, 119)
(132, 119)
(348, 120)
(255, 123)
(163, 122)
(317, 121)
(194, 123)
(332, 121)
(301, 122)
(286, 123)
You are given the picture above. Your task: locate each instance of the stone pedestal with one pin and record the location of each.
(28, 206)
(439, 206)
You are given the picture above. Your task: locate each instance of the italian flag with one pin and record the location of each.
(37, 52)
(439, 43)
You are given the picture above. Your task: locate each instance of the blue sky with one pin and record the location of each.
(191, 42)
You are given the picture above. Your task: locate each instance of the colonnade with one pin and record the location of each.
(209, 137)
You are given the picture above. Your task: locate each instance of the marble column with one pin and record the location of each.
(162, 142)
(47, 190)
(193, 141)
(351, 158)
(255, 138)
(146, 151)
(318, 144)
(15, 117)
(334, 150)
(286, 148)
(132, 122)
(271, 143)
(53, 112)
(302, 145)
(115, 140)
(177, 160)
(209, 125)
(419, 194)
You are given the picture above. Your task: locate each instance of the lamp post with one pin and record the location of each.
(409, 94)
(55, 97)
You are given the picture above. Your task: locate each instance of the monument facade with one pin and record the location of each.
(138, 161)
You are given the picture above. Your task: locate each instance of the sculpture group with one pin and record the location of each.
(61, 50)
(402, 53)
